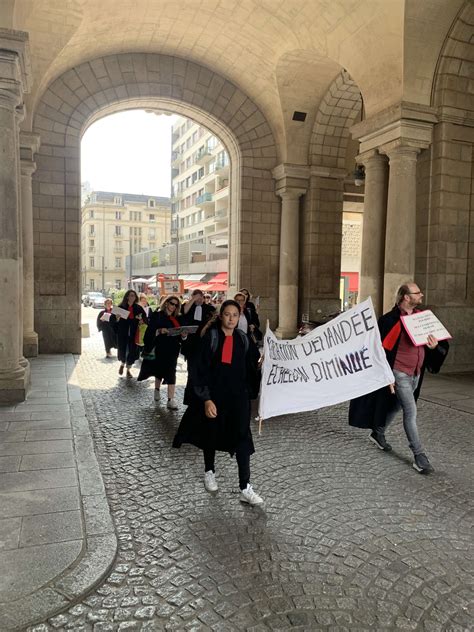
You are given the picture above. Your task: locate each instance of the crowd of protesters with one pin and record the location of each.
(221, 345)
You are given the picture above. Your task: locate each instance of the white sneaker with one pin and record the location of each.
(210, 482)
(172, 405)
(247, 495)
(157, 395)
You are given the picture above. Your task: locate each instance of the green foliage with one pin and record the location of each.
(155, 261)
(118, 296)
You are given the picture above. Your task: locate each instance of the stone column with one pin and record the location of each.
(289, 258)
(400, 240)
(373, 235)
(13, 82)
(29, 144)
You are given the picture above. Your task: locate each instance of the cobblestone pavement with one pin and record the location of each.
(350, 538)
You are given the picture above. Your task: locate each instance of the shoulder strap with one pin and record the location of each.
(244, 338)
(214, 339)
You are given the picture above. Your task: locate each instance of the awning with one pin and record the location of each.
(192, 277)
(219, 278)
(140, 280)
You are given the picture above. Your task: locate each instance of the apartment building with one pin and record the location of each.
(115, 225)
(200, 198)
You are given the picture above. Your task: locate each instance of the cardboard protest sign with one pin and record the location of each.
(338, 361)
(421, 324)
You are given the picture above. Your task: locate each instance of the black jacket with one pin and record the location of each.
(371, 410)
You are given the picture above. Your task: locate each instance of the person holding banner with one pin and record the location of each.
(408, 362)
(126, 330)
(219, 416)
(106, 322)
(161, 351)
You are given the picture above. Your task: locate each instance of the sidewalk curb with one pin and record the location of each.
(99, 548)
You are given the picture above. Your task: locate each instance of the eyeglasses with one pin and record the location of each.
(173, 304)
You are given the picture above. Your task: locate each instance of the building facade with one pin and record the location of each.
(116, 225)
(200, 198)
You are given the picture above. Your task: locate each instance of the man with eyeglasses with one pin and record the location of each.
(408, 362)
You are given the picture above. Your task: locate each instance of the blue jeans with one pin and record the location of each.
(405, 386)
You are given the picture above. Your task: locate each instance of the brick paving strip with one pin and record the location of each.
(57, 540)
(350, 538)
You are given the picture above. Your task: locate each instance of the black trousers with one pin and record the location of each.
(243, 463)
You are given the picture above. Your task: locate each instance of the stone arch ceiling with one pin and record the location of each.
(243, 40)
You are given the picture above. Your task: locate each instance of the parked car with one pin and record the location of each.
(94, 299)
(83, 299)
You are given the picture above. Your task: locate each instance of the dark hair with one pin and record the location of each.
(247, 296)
(215, 321)
(196, 292)
(402, 290)
(125, 298)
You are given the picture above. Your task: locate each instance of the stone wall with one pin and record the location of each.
(85, 93)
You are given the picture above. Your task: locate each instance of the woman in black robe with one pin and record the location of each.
(160, 352)
(126, 328)
(218, 418)
(106, 325)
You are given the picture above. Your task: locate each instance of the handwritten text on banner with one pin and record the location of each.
(335, 362)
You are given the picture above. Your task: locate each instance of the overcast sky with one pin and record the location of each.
(128, 152)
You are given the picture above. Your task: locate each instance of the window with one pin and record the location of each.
(151, 203)
(118, 262)
(92, 284)
(118, 231)
(152, 245)
(91, 214)
(92, 229)
(188, 162)
(118, 284)
(91, 243)
(195, 137)
(189, 143)
(118, 214)
(151, 218)
(151, 234)
(118, 199)
(118, 245)
(91, 262)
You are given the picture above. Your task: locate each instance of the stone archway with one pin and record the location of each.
(445, 182)
(85, 93)
(322, 235)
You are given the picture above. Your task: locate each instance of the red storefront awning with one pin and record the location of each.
(219, 278)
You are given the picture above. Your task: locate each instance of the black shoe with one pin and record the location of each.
(121, 368)
(422, 465)
(379, 439)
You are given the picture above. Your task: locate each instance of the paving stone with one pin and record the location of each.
(9, 533)
(9, 463)
(52, 527)
(350, 538)
(47, 461)
(40, 479)
(39, 501)
(35, 447)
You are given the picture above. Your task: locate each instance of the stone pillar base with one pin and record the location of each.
(30, 345)
(14, 387)
(285, 333)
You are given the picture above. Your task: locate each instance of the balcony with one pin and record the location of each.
(118, 250)
(203, 156)
(175, 156)
(222, 166)
(205, 200)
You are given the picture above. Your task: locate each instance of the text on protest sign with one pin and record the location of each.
(336, 362)
(422, 324)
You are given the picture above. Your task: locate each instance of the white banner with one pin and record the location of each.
(335, 362)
